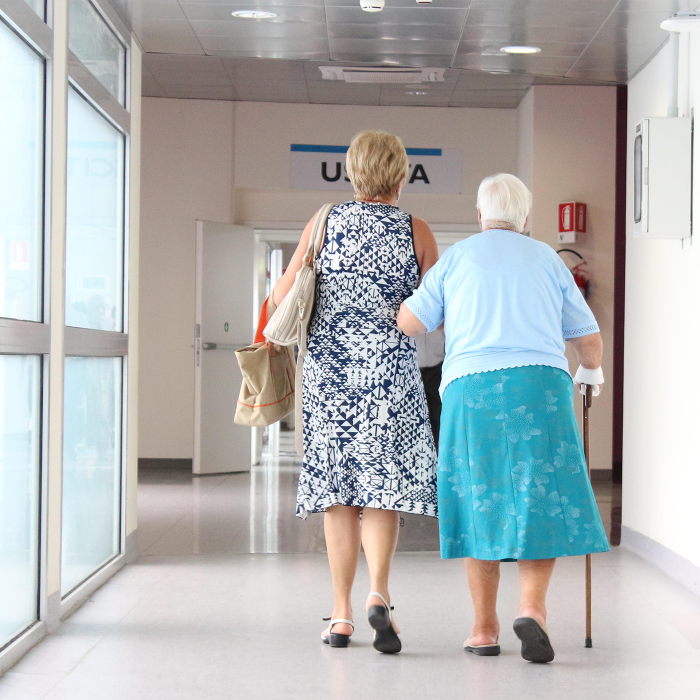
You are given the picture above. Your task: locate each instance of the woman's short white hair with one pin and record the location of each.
(504, 202)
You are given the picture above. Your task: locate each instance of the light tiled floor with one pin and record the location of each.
(199, 616)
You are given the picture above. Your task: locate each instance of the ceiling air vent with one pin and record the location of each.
(383, 75)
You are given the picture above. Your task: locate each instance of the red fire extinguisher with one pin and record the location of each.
(580, 273)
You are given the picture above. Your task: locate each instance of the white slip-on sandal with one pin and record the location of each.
(385, 638)
(483, 649)
(333, 638)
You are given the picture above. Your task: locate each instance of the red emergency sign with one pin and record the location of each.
(572, 217)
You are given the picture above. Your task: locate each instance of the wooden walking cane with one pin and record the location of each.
(586, 404)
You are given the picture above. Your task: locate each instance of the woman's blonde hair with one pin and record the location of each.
(377, 164)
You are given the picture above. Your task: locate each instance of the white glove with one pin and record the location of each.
(591, 377)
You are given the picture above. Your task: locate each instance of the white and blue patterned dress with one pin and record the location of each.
(367, 437)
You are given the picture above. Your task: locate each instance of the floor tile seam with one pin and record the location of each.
(102, 637)
(658, 572)
(184, 515)
(658, 613)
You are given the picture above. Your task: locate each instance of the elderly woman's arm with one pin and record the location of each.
(409, 323)
(589, 350)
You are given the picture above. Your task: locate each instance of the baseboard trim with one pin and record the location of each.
(78, 596)
(14, 651)
(131, 549)
(669, 562)
(165, 463)
(600, 476)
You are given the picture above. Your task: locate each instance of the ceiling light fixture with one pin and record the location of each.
(424, 2)
(520, 49)
(254, 14)
(372, 5)
(682, 22)
(416, 92)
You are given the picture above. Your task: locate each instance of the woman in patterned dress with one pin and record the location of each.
(512, 478)
(368, 448)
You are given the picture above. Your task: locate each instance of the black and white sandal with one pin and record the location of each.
(483, 649)
(385, 638)
(334, 639)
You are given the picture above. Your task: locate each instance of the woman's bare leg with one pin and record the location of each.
(534, 581)
(483, 579)
(380, 533)
(342, 529)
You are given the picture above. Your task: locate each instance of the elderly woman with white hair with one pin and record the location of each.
(512, 478)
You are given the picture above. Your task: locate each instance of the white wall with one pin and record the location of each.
(188, 166)
(186, 174)
(566, 149)
(225, 162)
(265, 131)
(662, 332)
(526, 137)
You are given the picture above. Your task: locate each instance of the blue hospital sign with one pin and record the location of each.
(433, 170)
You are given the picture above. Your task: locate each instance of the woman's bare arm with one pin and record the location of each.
(426, 246)
(285, 283)
(589, 350)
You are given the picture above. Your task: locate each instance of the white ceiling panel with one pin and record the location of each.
(253, 4)
(296, 48)
(581, 42)
(260, 80)
(187, 70)
(286, 13)
(147, 16)
(200, 92)
(271, 30)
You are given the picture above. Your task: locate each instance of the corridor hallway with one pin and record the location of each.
(227, 598)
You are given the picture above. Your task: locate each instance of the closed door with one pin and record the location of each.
(223, 324)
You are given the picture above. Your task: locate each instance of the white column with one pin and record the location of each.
(56, 166)
(132, 282)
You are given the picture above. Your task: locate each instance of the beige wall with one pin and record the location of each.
(189, 163)
(570, 132)
(201, 157)
(186, 174)
(264, 132)
(662, 333)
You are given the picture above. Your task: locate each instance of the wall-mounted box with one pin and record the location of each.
(663, 149)
(572, 221)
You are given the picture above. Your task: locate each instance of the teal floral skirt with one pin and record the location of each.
(512, 477)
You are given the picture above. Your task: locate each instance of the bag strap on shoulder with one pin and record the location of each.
(318, 233)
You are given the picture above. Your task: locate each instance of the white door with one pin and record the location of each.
(223, 324)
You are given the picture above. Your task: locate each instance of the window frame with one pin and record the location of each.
(25, 337)
(22, 337)
(87, 342)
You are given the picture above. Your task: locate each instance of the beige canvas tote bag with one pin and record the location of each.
(289, 324)
(267, 390)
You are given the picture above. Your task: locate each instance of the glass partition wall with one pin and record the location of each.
(65, 169)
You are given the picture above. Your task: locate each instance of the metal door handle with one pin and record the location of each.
(223, 346)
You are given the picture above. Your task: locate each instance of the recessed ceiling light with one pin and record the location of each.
(682, 22)
(372, 5)
(424, 2)
(520, 49)
(416, 92)
(254, 14)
